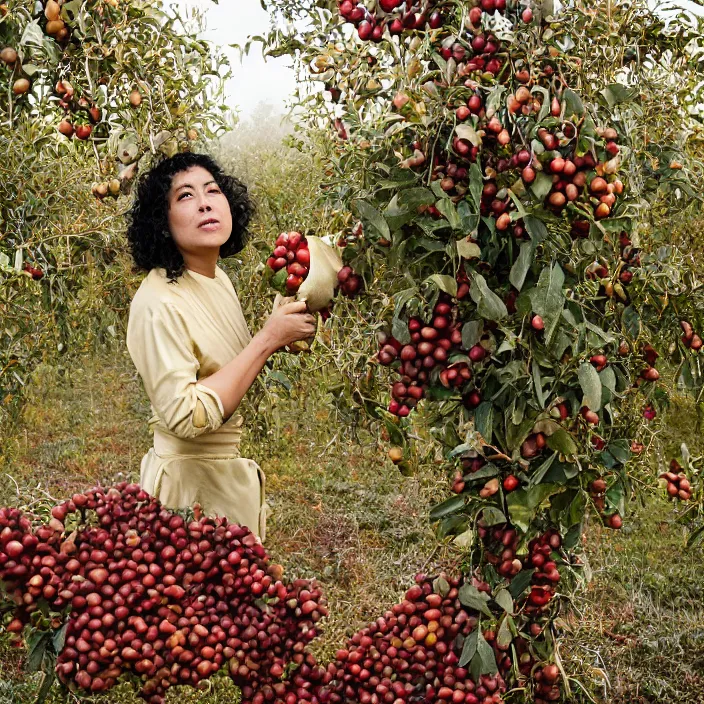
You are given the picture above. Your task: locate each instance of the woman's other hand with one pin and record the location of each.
(288, 323)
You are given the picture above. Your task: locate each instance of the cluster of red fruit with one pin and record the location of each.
(88, 113)
(678, 486)
(413, 652)
(350, 283)
(478, 56)
(427, 357)
(546, 576)
(151, 595)
(545, 676)
(597, 489)
(453, 178)
(399, 15)
(501, 543)
(690, 339)
(291, 252)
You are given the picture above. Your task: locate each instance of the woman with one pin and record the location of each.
(190, 343)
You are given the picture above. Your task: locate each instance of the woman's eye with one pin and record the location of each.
(183, 195)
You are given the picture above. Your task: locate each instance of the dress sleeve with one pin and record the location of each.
(163, 353)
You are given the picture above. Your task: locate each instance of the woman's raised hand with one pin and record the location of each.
(288, 323)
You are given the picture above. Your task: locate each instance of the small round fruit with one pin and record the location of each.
(83, 131)
(511, 483)
(20, 86)
(396, 454)
(8, 55)
(135, 98)
(65, 128)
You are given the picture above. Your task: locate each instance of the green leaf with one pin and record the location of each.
(539, 473)
(547, 298)
(472, 598)
(489, 305)
(373, 217)
(59, 638)
(447, 208)
(441, 586)
(538, 383)
(522, 503)
(616, 93)
(504, 599)
(466, 131)
(47, 682)
(399, 329)
(541, 186)
(520, 583)
(472, 333)
(620, 450)
(469, 648)
(476, 184)
(278, 280)
(536, 228)
(573, 104)
(468, 249)
(504, 636)
(395, 434)
(37, 643)
(451, 505)
(492, 516)
(486, 472)
(280, 378)
(562, 442)
(631, 321)
(412, 198)
(615, 496)
(445, 283)
(591, 386)
(522, 265)
(484, 420)
(486, 653)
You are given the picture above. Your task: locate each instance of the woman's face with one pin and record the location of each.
(199, 213)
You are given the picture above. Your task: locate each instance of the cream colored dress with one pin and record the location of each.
(177, 334)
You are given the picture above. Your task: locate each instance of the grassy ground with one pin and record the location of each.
(342, 513)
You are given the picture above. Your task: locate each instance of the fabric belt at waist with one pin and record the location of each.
(221, 443)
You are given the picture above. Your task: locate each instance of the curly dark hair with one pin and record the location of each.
(147, 220)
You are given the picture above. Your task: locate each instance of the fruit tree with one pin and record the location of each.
(89, 89)
(512, 198)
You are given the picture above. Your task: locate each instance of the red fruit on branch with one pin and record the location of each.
(537, 323)
(511, 483)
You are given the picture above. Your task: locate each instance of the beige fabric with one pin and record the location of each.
(178, 333)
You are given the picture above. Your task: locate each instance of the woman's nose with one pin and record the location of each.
(204, 207)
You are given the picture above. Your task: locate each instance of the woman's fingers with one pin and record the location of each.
(294, 307)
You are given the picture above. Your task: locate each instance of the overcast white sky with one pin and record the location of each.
(254, 80)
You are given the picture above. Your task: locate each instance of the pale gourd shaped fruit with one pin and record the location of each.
(318, 289)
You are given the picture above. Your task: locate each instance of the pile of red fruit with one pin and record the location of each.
(151, 596)
(678, 486)
(413, 653)
(427, 357)
(398, 16)
(291, 253)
